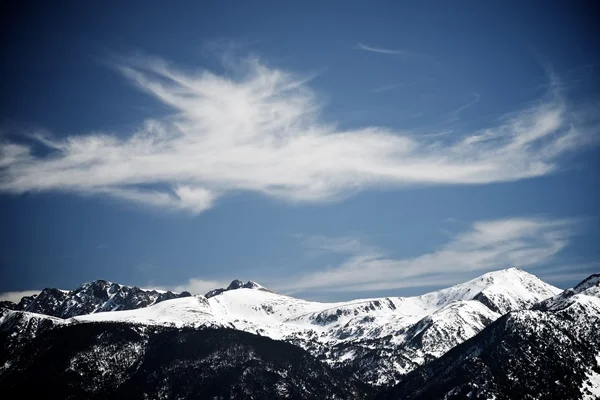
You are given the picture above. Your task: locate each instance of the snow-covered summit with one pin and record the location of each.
(235, 284)
(502, 291)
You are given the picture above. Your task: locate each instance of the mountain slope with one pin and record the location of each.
(551, 351)
(108, 360)
(17, 328)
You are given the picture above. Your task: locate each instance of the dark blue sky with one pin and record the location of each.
(365, 150)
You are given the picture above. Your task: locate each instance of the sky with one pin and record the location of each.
(327, 151)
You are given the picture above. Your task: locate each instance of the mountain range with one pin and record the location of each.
(503, 335)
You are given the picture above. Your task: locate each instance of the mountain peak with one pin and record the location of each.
(508, 276)
(501, 291)
(235, 284)
(590, 281)
(512, 289)
(253, 285)
(510, 271)
(590, 286)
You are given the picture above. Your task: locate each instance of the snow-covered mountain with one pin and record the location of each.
(377, 340)
(551, 351)
(455, 343)
(92, 297)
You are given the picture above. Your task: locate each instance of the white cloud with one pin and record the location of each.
(486, 246)
(380, 50)
(197, 286)
(15, 297)
(186, 198)
(260, 130)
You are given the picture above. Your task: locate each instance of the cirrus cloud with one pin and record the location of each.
(260, 129)
(486, 246)
(380, 50)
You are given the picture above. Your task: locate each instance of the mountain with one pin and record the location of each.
(108, 360)
(551, 351)
(375, 340)
(93, 297)
(501, 336)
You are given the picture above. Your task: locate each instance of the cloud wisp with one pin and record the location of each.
(380, 50)
(455, 113)
(197, 286)
(386, 88)
(486, 246)
(260, 129)
(15, 297)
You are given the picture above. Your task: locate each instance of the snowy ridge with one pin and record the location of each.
(190, 311)
(422, 327)
(586, 291)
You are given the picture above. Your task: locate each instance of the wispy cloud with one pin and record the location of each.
(340, 245)
(456, 112)
(380, 50)
(197, 286)
(259, 129)
(569, 274)
(15, 297)
(386, 88)
(486, 246)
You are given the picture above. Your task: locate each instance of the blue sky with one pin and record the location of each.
(327, 151)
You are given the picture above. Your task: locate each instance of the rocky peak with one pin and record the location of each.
(590, 281)
(92, 297)
(235, 284)
(25, 302)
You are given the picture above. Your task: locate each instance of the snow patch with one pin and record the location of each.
(590, 389)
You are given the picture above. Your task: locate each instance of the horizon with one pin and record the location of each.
(333, 152)
(15, 297)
